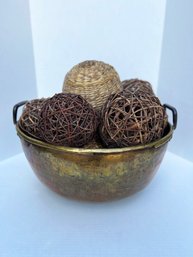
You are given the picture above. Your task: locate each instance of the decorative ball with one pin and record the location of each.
(128, 120)
(68, 120)
(29, 120)
(93, 80)
(137, 86)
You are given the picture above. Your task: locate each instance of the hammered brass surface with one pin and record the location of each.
(95, 175)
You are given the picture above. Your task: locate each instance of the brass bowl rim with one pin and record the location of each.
(154, 144)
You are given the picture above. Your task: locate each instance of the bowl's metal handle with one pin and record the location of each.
(174, 113)
(15, 109)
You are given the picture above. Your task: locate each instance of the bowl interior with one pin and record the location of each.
(155, 144)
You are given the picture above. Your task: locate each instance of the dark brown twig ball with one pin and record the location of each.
(137, 86)
(128, 120)
(29, 120)
(68, 120)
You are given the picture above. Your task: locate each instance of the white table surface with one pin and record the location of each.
(157, 222)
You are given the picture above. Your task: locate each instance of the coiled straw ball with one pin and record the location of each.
(29, 120)
(128, 120)
(137, 86)
(68, 120)
(94, 80)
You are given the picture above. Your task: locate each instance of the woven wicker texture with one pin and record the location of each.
(94, 80)
(29, 120)
(69, 120)
(130, 120)
(137, 86)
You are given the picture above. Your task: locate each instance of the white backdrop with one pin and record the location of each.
(17, 72)
(126, 34)
(176, 72)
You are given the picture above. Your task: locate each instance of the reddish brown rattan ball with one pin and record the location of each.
(128, 120)
(29, 120)
(137, 86)
(68, 120)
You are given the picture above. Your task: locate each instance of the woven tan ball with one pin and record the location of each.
(94, 80)
(29, 120)
(68, 120)
(137, 86)
(130, 120)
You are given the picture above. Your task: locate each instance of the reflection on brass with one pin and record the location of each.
(95, 174)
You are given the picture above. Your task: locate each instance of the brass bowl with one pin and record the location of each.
(95, 174)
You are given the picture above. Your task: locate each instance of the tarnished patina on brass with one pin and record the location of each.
(94, 174)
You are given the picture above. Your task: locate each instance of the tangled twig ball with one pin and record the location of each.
(29, 120)
(137, 87)
(94, 80)
(128, 120)
(68, 120)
